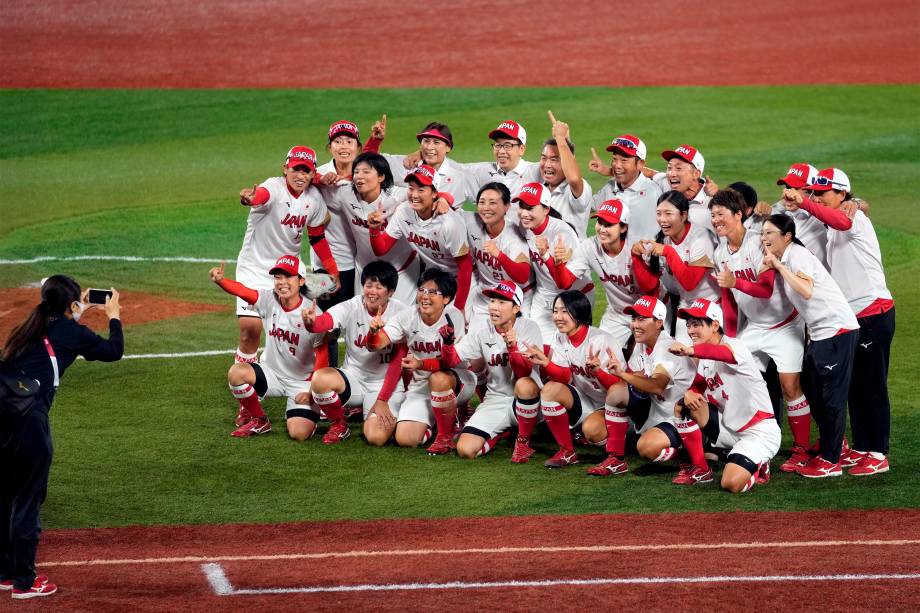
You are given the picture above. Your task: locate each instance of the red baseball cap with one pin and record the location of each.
(424, 174)
(506, 290)
(301, 156)
(647, 306)
(702, 309)
(435, 133)
(828, 179)
(686, 153)
(344, 127)
(612, 211)
(290, 264)
(533, 194)
(510, 129)
(627, 144)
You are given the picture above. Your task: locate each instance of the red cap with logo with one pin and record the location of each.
(506, 290)
(688, 154)
(301, 156)
(423, 174)
(533, 194)
(344, 127)
(702, 309)
(647, 306)
(830, 178)
(435, 133)
(628, 144)
(289, 264)
(510, 129)
(613, 211)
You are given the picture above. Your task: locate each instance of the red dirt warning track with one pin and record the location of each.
(388, 43)
(374, 561)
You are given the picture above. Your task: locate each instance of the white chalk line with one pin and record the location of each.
(500, 550)
(117, 258)
(221, 585)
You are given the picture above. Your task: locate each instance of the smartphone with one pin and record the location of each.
(98, 296)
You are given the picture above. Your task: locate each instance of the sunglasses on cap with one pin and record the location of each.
(625, 142)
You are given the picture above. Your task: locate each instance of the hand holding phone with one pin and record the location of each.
(98, 296)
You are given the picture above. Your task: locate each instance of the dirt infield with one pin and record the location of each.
(832, 560)
(388, 43)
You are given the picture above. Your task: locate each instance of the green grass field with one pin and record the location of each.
(156, 173)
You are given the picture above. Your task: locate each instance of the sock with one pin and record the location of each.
(488, 446)
(526, 411)
(426, 436)
(444, 405)
(557, 419)
(331, 405)
(248, 399)
(750, 483)
(692, 438)
(245, 358)
(617, 423)
(798, 412)
(666, 454)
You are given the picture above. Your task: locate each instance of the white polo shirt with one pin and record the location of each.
(641, 198)
(575, 211)
(855, 260)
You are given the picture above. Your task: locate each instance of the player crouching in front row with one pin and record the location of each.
(728, 401)
(290, 356)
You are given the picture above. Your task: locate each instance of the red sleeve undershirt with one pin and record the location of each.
(377, 338)
(762, 288)
(449, 356)
(321, 324)
(381, 242)
(431, 364)
(699, 384)
(239, 290)
(729, 312)
(711, 351)
(449, 197)
(606, 379)
(645, 278)
(394, 372)
(835, 218)
(259, 198)
(464, 278)
(373, 145)
(322, 357)
(560, 374)
(561, 274)
(518, 271)
(320, 245)
(688, 276)
(519, 364)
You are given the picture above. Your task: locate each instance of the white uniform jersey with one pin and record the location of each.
(451, 177)
(338, 235)
(484, 342)
(290, 350)
(276, 228)
(356, 211)
(351, 318)
(827, 312)
(545, 284)
(575, 211)
(738, 390)
(480, 173)
(681, 371)
(747, 264)
(423, 340)
(855, 261)
(614, 272)
(754, 224)
(700, 215)
(487, 270)
(810, 230)
(641, 199)
(696, 248)
(564, 353)
(437, 240)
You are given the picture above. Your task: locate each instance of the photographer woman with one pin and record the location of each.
(42, 347)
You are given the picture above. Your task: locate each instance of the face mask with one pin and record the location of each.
(78, 311)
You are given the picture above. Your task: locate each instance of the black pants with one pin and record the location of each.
(345, 291)
(870, 409)
(826, 376)
(25, 459)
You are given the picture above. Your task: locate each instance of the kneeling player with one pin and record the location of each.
(512, 382)
(728, 401)
(290, 356)
(435, 389)
(361, 377)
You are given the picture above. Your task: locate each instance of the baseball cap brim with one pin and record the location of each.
(295, 162)
(433, 134)
(492, 293)
(625, 151)
(669, 155)
(497, 133)
(632, 310)
(346, 132)
(792, 181)
(421, 180)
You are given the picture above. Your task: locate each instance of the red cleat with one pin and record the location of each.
(612, 465)
(253, 427)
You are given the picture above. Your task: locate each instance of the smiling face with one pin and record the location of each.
(507, 152)
(607, 233)
(682, 175)
(700, 331)
(724, 221)
(646, 329)
(344, 149)
(565, 323)
(671, 220)
(430, 301)
(421, 198)
(366, 179)
(830, 197)
(532, 217)
(773, 240)
(433, 150)
(626, 169)
(287, 287)
(376, 295)
(502, 312)
(551, 166)
(298, 178)
(490, 207)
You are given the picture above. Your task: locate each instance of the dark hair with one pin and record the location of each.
(748, 193)
(554, 143)
(576, 304)
(680, 201)
(382, 272)
(446, 282)
(411, 178)
(501, 188)
(729, 199)
(624, 227)
(58, 293)
(785, 224)
(443, 129)
(379, 164)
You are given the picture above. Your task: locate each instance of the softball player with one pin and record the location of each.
(608, 255)
(729, 401)
(808, 229)
(773, 329)
(685, 174)
(638, 193)
(512, 381)
(569, 193)
(358, 382)
(577, 382)
(279, 209)
(435, 390)
(833, 334)
(290, 357)
(439, 240)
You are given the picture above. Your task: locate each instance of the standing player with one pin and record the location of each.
(513, 383)
(808, 229)
(728, 381)
(608, 255)
(435, 389)
(638, 193)
(290, 357)
(773, 329)
(685, 174)
(577, 384)
(279, 209)
(569, 193)
(509, 143)
(358, 382)
(439, 240)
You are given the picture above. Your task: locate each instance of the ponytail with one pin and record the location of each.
(58, 293)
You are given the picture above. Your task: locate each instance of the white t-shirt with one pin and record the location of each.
(614, 272)
(855, 261)
(575, 211)
(641, 198)
(486, 343)
(423, 340)
(681, 371)
(696, 248)
(437, 240)
(564, 353)
(290, 350)
(352, 318)
(738, 390)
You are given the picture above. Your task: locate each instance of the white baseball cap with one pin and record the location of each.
(703, 309)
(688, 154)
